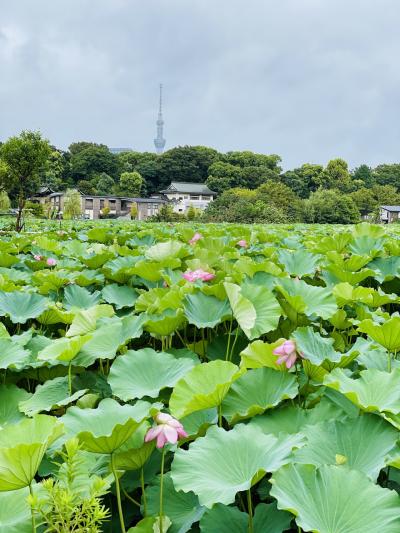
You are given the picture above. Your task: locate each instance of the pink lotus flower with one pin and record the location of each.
(194, 275)
(51, 262)
(167, 429)
(37, 257)
(287, 353)
(196, 237)
(242, 243)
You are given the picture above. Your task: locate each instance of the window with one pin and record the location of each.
(195, 197)
(101, 204)
(112, 204)
(89, 203)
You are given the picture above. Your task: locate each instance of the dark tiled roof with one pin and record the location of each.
(182, 186)
(392, 208)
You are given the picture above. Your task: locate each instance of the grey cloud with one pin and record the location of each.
(307, 79)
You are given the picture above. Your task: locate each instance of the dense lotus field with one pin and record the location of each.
(216, 378)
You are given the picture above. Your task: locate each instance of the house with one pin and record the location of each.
(92, 205)
(389, 213)
(184, 195)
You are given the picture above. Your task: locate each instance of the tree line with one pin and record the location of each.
(251, 187)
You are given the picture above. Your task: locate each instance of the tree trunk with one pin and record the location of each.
(19, 222)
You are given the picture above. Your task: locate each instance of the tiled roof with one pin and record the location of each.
(182, 186)
(392, 208)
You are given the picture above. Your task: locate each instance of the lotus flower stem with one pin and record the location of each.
(229, 340)
(161, 489)
(250, 510)
(70, 378)
(32, 510)
(143, 492)
(220, 415)
(117, 490)
(234, 344)
(130, 497)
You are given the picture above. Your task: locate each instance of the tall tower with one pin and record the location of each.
(159, 141)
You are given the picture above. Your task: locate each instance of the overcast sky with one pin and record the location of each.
(307, 79)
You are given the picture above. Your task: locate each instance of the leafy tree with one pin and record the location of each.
(223, 176)
(72, 204)
(364, 174)
(250, 159)
(4, 201)
(55, 170)
(331, 207)
(134, 211)
(282, 197)
(388, 175)
(86, 187)
(336, 176)
(303, 180)
(185, 163)
(34, 208)
(90, 161)
(131, 183)
(365, 201)
(386, 195)
(104, 184)
(25, 156)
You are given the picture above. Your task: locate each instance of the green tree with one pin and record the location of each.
(91, 160)
(364, 174)
(282, 197)
(25, 156)
(365, 201)
(386, 195)
(104, 184)
(72, 204)
(250, 159)
(134, 211)
(303, 180)
(131, 183)
(331, 207)
(86, 187)
(185, 163)
(336, 176)
(5, 203)
(223, 176)
(387, 175)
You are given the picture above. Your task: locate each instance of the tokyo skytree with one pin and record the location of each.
(159, 141)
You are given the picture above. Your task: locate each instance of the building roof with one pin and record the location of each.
(183, 186)
(392, 208)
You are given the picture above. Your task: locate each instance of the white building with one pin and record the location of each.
(184, 195)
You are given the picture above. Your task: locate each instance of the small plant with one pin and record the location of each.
(72, 499)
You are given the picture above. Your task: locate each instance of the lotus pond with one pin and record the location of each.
(202, 378)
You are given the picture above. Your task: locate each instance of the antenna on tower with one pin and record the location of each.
(159, 141)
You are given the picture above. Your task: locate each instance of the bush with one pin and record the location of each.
(330, 207)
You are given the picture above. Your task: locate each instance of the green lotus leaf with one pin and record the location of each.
(335, 499)
(10, 397)
(54, 315)
(224, 519)
(206, 311)
(165, 323)
(151, 524)
(298, 263)
(52, 394)
(145, 372)
(63, 349)
(308, 299)
(256, 391)
(198, 422)
(293, 420)
(221, 464)
(164, 250)
(15, 512)
(386, 334)
(255, 308)
(373, 391)
(85, 321)
(259, 354)
(12, 355)
(22, 447)
(21, 306)
(203, 387)
(7, 260)
(385, 268)
(107, 339)
(182, 508)
(106, 428)
(75, 296)
(364, 442)
(134, 453)
(119, 295)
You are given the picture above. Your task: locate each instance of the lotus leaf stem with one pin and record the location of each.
(143, 492)
(117, 489)
(250, 510)
(32, 510)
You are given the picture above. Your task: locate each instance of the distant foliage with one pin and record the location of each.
(72, 204)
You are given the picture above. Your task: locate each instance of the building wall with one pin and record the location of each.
(185, 200)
